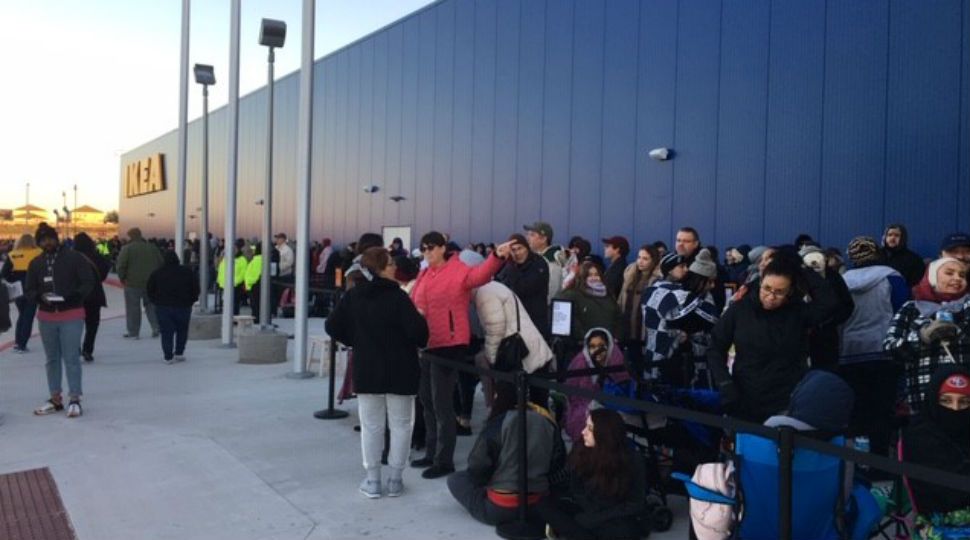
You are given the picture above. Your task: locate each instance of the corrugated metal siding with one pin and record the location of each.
(831, 118)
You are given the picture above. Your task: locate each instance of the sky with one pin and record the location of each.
(85, 81)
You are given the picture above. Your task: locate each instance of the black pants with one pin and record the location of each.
(436, 392)
(92, 320)
(174, 325)
(465, 394)
(874, 384)
(559, 515)
(254, 302)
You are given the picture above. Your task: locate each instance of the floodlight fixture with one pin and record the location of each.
(272, 33)
(204, 74)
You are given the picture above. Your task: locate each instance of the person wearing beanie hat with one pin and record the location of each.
(678, 317)
(526, 273)
(940, 438)
(673, 267)
(933, 329)
(58, 281)
(898, 256)
(877, 292)
(814, 257)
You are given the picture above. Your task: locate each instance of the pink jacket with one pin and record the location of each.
(578, 406)
(443, 294)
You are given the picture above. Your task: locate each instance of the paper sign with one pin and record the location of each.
(562, 317)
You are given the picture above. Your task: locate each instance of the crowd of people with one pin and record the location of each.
(751, 327)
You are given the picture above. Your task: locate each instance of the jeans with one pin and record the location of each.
(25, 321)
(92, 320)
(398, 411)
(436, 391)
(174, 325)
(134, 299)
(62, 344)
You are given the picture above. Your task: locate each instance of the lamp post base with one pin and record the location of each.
(330, 414)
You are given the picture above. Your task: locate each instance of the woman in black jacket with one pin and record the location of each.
(769, 331)
(84, 245)
(173, 290)
(607, 485)
(384, 328)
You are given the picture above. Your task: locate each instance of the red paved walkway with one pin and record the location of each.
(31, 508)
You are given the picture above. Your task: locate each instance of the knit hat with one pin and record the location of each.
(822, 400)
(957, 383)
(814, 257)
(542, 228)
(863, 251)
(703, 264)
(670, 261)
(45, 231)
(931, 270)
(754, 256)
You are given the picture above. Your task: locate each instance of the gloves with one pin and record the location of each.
(938, 331)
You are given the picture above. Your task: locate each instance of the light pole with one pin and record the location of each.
(204, 75)
(27, 206)
(73, 225)
(67, 213)
(272, 34)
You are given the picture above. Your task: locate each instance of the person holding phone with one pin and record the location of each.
(59, 280)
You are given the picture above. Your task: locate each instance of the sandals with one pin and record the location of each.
(50, 407)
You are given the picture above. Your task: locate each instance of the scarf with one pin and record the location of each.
(595, 288)
(929, 300)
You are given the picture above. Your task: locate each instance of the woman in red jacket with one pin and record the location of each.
(442, 294)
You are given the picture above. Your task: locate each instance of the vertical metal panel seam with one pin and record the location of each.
(961, 151)
(491, 208)
(400, 144)
(599, 192)
(717, 108)
(434, 123)
(572, 119)
(542, 109)
(673, 166)
(471, 153)
(518, 93)
(451, 158)
(885, 134)
(636, 134)
(764, 175)
(821, 135)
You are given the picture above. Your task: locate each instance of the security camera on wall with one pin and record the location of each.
(660, 154)
(370, 189)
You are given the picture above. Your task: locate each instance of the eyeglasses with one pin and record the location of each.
(774, 293)
(426, 247)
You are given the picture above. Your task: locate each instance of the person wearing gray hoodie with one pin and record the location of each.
(878, 291)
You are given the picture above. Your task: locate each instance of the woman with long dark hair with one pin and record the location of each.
(592, 306)
(607, 485)
(636, 278)
(84, 245)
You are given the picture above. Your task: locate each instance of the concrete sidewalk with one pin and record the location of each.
(211, 449)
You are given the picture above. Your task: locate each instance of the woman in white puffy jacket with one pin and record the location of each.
(496, 305)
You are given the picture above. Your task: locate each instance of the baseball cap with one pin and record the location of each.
(540, 227)
(955, 240)
(618, 242)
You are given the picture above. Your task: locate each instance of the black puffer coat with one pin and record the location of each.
(384, 328)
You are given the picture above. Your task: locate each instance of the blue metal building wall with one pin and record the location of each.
(830, 118)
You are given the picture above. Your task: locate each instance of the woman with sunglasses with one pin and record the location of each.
(442, 294)
(769, 332)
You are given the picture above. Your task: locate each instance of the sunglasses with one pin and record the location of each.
(426, 247)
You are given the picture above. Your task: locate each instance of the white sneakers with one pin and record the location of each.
(371, 488)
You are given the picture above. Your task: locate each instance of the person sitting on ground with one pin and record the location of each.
(940, 438)
(488, 489)
(607, 485)
(932, 329)
(769, 334)
(592, 305)
(599, 351)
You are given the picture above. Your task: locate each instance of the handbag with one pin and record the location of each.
(512, 349)
(14, 290)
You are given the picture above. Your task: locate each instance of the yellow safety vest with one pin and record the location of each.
(237, 278)
(254, 271)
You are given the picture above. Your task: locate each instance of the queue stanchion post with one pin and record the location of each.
(521, 528)
(331, 413)
(786, 445)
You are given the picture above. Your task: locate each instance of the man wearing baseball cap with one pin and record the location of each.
(956, 246)
(539, 236)
(616, 249)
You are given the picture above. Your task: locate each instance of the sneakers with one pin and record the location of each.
(130, 336)
(371, 488)
(179, 358)
(20, 350)
(395, 487)
(74, 409)
(88, 357)
(437, 471)
(50, 407)
(170, 361)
